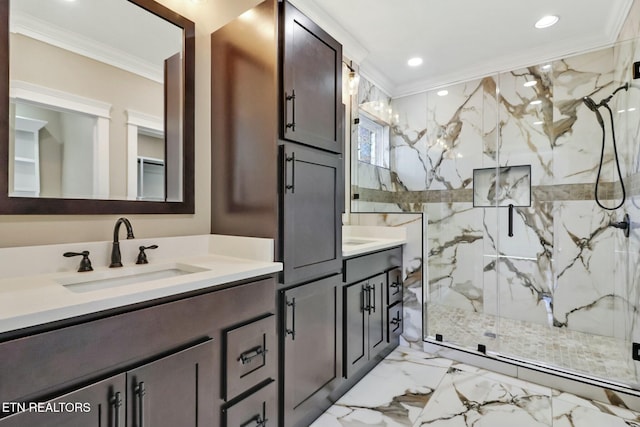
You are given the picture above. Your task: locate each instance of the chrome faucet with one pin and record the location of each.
(115, 251)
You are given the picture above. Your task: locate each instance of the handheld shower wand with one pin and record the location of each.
(593, 107)
(591, 104)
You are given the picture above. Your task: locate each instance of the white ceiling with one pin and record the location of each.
(460, 39)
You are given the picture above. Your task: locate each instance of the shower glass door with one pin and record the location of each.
(565, 295)
(552, 283)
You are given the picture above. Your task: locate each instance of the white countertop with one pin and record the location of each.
(358, 240)
(210, 260)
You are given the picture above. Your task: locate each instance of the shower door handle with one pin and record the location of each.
(510, 220)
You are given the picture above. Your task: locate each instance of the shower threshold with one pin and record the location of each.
(563, 380)
(588, 358)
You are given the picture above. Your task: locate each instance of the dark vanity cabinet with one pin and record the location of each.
(190, 360)
(311, 78)
(167, 392)
(310, 353)
(372, 309)
(277, 172)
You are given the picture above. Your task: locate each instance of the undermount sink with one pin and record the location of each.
(131, 276)
(355, 242)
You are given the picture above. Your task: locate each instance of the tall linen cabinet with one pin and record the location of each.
(277, 172)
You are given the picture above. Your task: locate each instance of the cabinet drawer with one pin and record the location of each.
(256, 410)
(249, 356)
(364, 266)
(394, 322)
(394, 286)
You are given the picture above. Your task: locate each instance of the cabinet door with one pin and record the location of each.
(356, 348)
(310, 358)
(377, 313)
(176, 390)
(312, 222)
(312, 83)
(100, 404)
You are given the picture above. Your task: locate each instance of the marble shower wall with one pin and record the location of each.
(558, 267)
(564, 267)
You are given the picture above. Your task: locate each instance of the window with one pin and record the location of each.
(373, 142)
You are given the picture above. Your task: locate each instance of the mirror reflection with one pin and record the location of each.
(93, 84)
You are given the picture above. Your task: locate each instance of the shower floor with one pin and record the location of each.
(594, 355)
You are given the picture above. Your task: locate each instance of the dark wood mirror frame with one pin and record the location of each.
(48, 206)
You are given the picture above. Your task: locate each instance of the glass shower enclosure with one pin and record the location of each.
(519, 259)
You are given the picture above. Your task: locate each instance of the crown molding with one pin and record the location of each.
(351, 47)
(57, 99)
(356, 51)
(45, 32)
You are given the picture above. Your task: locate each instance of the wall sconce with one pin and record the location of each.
(354, 81)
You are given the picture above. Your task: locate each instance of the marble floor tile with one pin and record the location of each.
(411, 388)
(475, 397)
(573, 411)
(394, 393)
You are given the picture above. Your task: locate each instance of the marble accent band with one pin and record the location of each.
(541, 193)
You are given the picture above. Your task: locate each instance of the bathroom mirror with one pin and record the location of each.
(99, 107)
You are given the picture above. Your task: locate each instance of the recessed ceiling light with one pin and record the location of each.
(631, 109)
(536, 102)
(415, 61)
(530, 83)
(547, 21)
(443, 92)
(539, 122)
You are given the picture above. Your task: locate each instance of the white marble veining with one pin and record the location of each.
(415, 389)
(33, 299)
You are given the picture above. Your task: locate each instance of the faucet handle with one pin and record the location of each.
(142, 256)
(85, 263)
